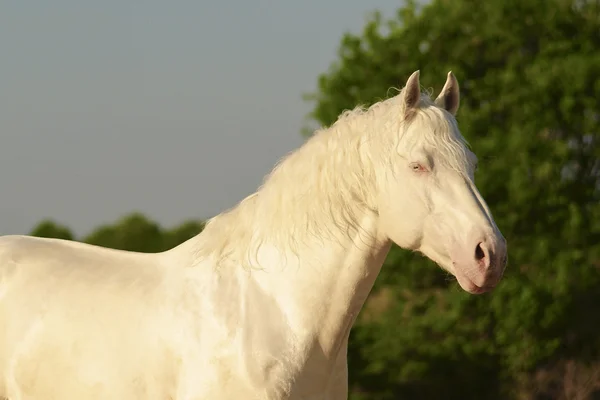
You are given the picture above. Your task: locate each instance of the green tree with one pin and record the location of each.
(51, 229)
(530, 101)
(134, 233)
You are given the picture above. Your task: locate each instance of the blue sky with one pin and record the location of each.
(175, 109)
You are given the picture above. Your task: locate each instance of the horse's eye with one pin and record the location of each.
(416, 167)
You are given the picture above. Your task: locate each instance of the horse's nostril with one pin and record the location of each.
(479, 253)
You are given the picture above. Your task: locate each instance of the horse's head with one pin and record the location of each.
(427, 198)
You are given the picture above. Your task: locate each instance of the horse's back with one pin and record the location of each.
(84, 322)
(71, 312)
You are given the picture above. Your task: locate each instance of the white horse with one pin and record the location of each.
(260, 304)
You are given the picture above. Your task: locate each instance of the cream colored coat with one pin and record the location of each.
(261, 303)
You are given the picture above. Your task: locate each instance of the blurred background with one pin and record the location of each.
(126, 124)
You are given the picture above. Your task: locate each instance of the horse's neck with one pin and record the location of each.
(319, 287)
(322, 286)
(319, 277)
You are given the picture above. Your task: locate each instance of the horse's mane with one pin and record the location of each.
(326, 184)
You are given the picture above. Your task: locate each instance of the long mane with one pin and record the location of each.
(325, 186)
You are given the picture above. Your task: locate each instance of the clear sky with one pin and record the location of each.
(176, 109)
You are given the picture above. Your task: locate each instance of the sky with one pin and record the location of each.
(173, 109)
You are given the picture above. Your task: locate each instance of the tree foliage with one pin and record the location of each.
(133, 232)
(51, 229)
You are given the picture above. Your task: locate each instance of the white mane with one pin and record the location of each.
(329, 182)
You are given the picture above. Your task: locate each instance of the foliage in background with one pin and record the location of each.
(133, 232)
(529, 73)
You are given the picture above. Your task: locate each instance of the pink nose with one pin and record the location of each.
(488, 256)
(482, 255)
(480, 269)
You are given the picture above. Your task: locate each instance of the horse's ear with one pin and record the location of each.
(449, 97)
(411, 93)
